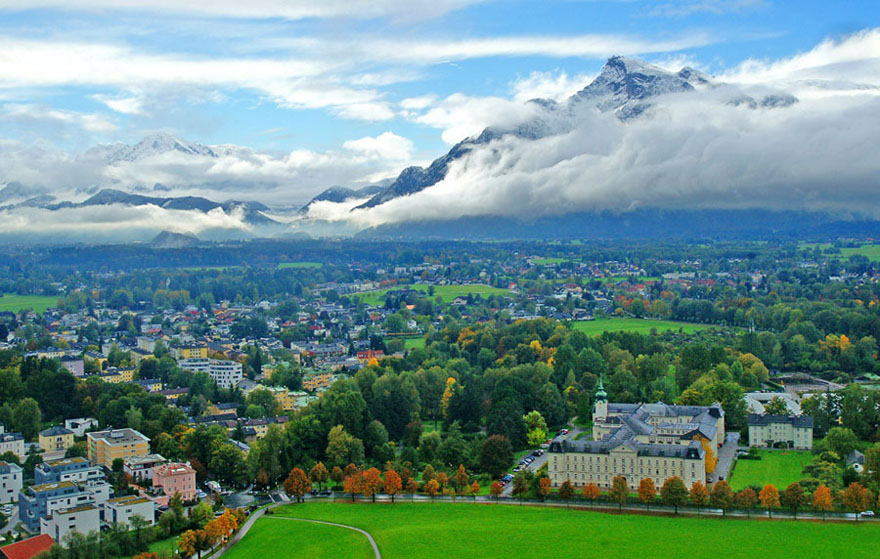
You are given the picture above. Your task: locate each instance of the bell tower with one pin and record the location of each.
(600, 408)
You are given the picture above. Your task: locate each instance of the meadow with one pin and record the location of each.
(17, 303)
(288, 265)
(465, 531)
(777, 467)
(446, 292)
(642, 326)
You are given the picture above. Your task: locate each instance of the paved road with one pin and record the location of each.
(725, 458)
(541, 460)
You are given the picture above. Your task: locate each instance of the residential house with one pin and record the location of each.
(10, 482)
(781, 431)
(106, 446)
(74, 469)
(82, 519)
(56, 438)
(141, 467)
(121, 510)
(176, 478)
(80, 425)
(11, 442)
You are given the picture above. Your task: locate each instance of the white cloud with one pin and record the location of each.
(288, 9)
(461, 116)
(385, 146)
(681, 8)
(125, 105)
(28, 112)
(557, 86)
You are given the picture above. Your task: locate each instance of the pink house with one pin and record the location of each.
(176, 478)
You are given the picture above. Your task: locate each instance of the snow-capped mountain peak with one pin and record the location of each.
(153, 145)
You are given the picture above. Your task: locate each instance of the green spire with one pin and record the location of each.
(600, 393)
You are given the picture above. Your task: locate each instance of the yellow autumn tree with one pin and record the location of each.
(711, 460)
(447, 394)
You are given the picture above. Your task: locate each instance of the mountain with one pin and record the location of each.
(168, 239)
(339, 194)
(625, 87)
(153, 145)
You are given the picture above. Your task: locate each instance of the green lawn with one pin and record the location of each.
(465, 531)
(17, 303)
(642, 326)
(779, 467)
(277, 538)
(412, 343)
(285, 265)
(548, 260)
(446, 292)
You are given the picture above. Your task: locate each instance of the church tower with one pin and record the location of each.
(600, 408)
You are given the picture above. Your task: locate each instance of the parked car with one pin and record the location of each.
(868, 513)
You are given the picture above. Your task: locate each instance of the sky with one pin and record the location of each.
(316, 94)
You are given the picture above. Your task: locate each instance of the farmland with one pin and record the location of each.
(17, 303)
(446, 292)
(425, 531)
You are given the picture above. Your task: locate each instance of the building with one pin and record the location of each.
(781, 431)
(11, 442)
(149, 384)
(226, 374)
(192, 352)
(82, 519)
(755, 402)
(855, 459)
(282, 396)
(10, 482)
(26, 549)
(37, 501)
(318, 380)
(176, 478)
(80, 425)
(121, 509)
(74, 364)
(141, 467)
(75, 469)
(640, 441)
(107, 446)
(56, 438)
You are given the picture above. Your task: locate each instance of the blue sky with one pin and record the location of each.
(349, 91)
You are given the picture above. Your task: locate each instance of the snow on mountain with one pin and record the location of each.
(157, 144)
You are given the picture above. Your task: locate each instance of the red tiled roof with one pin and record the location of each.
(26, 549)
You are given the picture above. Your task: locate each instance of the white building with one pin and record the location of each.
(80, 425)
(781, 431)
(226, 374)
(11, 442)
(82, 519)
(10, 482)
(141, 467)
(121, 509)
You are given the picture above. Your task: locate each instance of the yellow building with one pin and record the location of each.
(107, 446)
(112, 376)
(137, 355)
(319, 380)
(56, 438)
(193, 352)
(283, 397)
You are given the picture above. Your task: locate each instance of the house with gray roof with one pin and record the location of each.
(781, 431)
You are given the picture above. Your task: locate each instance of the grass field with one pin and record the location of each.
(871, 250)
(412, 343)
(286, 265)
(277, 537)
(549, 260)
(465, 531)
(446, 292)
(17, 303)
(779, 467)
(596, 327)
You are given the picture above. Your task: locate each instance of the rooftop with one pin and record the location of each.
(119, 436)
(28, 548)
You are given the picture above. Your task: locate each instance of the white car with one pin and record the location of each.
(867, 513)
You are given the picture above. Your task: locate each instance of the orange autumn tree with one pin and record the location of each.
(412, 486)
(474, 489)
(566, 491)
(297, 484)
(856, 498)
(461, 478)
(769, 498)
(647, 492)
(544, 487)
(372, 483)
(619, 491)
(495, 490)
(432, 488)
(746, 499)
(353, 484)
(319, 474)
(392, 484)
(194, 542)
(591, 492)
(699, 495)
(822, 500)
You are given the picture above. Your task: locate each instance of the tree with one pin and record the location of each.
(769, 498)
(319, 474)
(746, 499)
(721, 497)
(674, 493)
(699, 495)
(27, 418)
(495, 490)
(392, 484)
(566, 491)
(461, 478)
(871, 474)
(474, 489)
(496, 455)
(841, 440)
(297, 484)
(353, 484)
(793, 498)
(520, 484)
(619, 491)
(591, 492)
(822, 500)
(776, 406)
(647, 492)
(856, 498)
(194, 542)
(337, 475)
(544, 487)
(432, 488)
(372, 483)
(343, 447)
(412, 486)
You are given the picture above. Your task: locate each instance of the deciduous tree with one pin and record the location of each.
(432, 488)
(591, 492)
(619, 491)
(721, 497)
(372, 483)
(746, 499)
(647, 492)
(699, 495)
(793, 498)
(319, 474)
(353, 484)
(495, 490)
(392, 484)
(461, 478)
(297, 484)
(822, 500)
(566, 491)
(544, 487)
(769, 498)
(856, 498)
(674, 493)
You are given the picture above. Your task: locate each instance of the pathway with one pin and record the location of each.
(364, 532)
